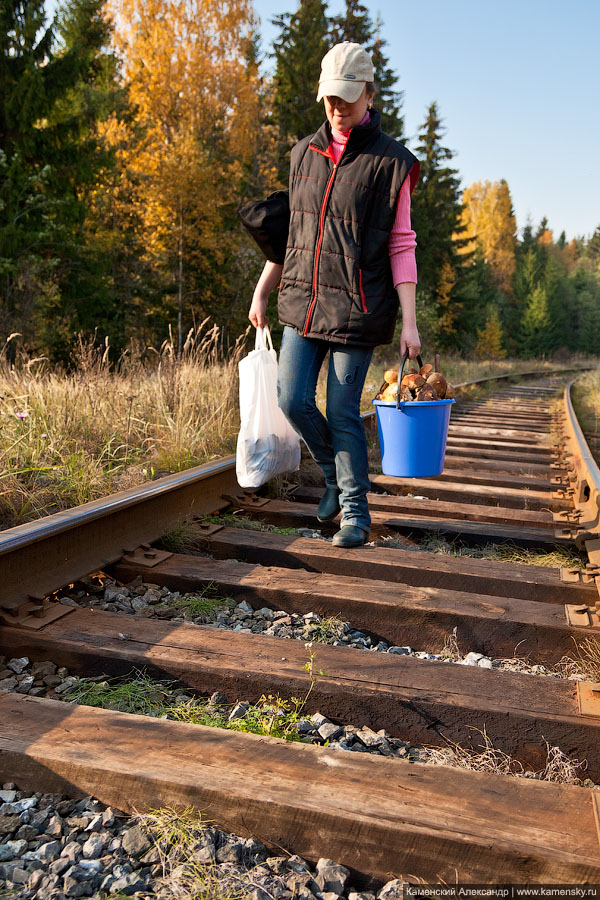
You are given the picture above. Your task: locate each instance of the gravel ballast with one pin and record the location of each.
(153, 601)
(53, 848)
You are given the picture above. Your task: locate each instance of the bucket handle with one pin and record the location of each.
(404, 359)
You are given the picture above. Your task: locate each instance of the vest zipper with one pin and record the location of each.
(320, 241)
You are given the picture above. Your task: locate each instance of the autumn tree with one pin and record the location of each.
(194, 99)
(489, 222)
(490, 338)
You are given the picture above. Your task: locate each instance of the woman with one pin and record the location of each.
(349, 263)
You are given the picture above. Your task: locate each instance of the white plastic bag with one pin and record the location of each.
(267, 444)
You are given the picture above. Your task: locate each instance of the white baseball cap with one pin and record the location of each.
(344, 72)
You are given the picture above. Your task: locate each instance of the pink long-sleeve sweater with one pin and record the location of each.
(402, 238)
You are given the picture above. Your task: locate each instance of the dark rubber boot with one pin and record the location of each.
(329, 506)
(350, 536)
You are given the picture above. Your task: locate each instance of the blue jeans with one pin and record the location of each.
(336, 443)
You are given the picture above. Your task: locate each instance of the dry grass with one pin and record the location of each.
(559, 768)
(69, 438)
(586, 400)
(508, 552)
(178, 835)
(585, 662)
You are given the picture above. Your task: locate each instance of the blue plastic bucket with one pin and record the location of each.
(412, 436)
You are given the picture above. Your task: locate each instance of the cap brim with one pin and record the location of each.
(349, 91)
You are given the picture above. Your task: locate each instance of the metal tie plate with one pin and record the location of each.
(588, 698)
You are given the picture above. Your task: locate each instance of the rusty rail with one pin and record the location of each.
(42, 556)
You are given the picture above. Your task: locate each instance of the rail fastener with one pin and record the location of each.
(588, 699)
(582, 616)
(145, 555)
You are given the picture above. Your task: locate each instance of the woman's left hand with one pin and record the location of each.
(410, 340)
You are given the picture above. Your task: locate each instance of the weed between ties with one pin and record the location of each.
(138, 693)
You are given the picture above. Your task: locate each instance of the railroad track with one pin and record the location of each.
(519, 473)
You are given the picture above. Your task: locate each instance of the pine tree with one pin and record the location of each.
(353, 25)
(302, 42)
(490, 340)
(592, 250)
(448, 306)
(536, 324)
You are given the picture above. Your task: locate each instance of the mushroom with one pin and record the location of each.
(438, 382)
(391, 392)
(449, 391)
(406, 393)
(426, 370)
(427, 392)
(391, 375)
(436, 362)
(414, 382)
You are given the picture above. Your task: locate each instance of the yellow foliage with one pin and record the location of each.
(194, 100)
(489, 223)
(489, 344)
(547, 237)
(449, 308)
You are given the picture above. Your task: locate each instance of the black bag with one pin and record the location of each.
(268, 222)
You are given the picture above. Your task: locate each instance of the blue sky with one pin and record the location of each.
(517, 84)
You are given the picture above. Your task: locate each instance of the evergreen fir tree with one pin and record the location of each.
(436, 211)
(356, 25)
(50, 158)
(387, 100)
(448, 306)
(536, 324)
(592, 250)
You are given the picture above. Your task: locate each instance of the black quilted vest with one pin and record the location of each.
(337, 281)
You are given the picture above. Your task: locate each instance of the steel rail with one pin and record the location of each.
(584, 476)
(40, 557)
(586, 468)
(530, 374)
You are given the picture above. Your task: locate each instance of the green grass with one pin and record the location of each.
(232, 520)
(270, 715)
(326, 631)
(139, 693)
(134, 693)
(202, 604)
(68, 438)
(181, 538)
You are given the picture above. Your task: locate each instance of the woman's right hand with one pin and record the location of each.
(258, 312)
(269, 277)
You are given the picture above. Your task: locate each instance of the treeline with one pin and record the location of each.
(132, 130)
